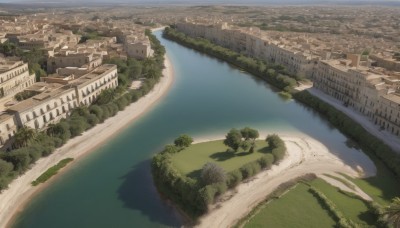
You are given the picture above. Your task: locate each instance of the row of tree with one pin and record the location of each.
(194, 195)
(30, 145)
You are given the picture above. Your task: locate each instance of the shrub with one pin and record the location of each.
(266, 161)
(247, 171)
(92, 120)
(212, 173)
(220, 188)
(19, 158)
(183, 141)
(122, 103)
(97, 110)
(234, 178)
(208, 194)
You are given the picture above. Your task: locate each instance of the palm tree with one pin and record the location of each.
(23, 136)
(392, 212)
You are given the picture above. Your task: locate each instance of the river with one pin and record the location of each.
(112, 187)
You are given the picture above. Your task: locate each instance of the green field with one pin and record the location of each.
(353, 208)
(383, 187)
(297, 208)
(190, 160)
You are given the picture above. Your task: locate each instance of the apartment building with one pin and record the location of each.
(89, 86)
(388, 113)
(54, 103)
(58, 98)
(252, 42)
(366, 90)
(14, 77)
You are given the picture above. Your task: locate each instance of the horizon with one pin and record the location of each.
(208, 2)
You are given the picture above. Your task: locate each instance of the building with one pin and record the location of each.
(297, 57)
(366, 90)
(387, 114)
(67, 58)
(58, 98)
(139, 50)
(14, 77)
(8, 127)
(50, 106)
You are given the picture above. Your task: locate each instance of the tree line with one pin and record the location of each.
(194, 195)
(30, 145)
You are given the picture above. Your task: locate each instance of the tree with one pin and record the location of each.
(5, 168)
(23, 137)
(233, 139)
(60, 130)
(249, 133)
(19, 158)
(95, 109)
(392, 212)
(212, 173)
(245, 145)
(105, 97)
(183, 141)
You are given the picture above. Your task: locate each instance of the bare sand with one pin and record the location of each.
(304, 155)
(13, 200)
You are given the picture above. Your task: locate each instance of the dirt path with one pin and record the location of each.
(20, 190)
(305, 155)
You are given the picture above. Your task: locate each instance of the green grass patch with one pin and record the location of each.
(51, 171)
(352, 208)
(191, 160)
(383, 187)
(296, 208)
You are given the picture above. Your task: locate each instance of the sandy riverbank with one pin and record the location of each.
(20, 190)
(304, 155)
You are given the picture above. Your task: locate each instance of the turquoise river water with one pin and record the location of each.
(112, 186)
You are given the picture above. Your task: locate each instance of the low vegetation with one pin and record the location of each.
(194, 176)
(30, 145)
(51, 171)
